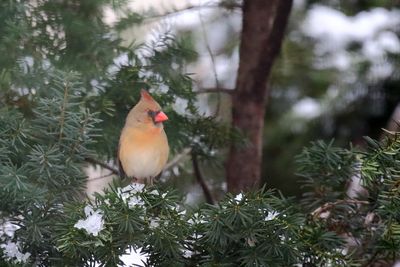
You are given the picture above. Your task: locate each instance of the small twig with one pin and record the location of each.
(392, 133)
(176, 159)
(329, 205)
(201, 181)
(100, 177)
(215, 90)
(192, 7)
(176, 12)
(393, 125)
(103, 165)
(213, 62)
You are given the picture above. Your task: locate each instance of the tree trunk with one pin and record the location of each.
(264, 23)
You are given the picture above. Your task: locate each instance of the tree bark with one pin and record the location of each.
(264, 23)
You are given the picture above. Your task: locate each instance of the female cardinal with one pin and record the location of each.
(143, 145)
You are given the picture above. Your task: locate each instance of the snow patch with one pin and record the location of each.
(180, 106)
(7, 228)
(12, 251)
(127, 194)
(238, 198)
(373, 30)
(336, 30)
(132, 188)
(271, 215)
(93, 223)
(121, 59)
(135, 201)
(154, 223)
(134, 257)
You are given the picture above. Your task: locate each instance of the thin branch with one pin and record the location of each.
(329, 205)
(103, 165)
(178, 11)
(199, 177)
(215, 90)
(177, 159)
(100, 177)
(230, 6)
(113, 170)
(200, 180)
(393, 125)
(213, 62)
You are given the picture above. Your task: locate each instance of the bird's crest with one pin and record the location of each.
(145, 95)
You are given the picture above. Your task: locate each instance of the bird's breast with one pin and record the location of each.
(143, 154)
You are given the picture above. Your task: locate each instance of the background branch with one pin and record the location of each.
(200, 180)
(329, 205)
(230, 6)
(213, 62)
(103, 165)
(177, 159)
(215, 90)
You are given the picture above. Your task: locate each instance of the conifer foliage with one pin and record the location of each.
(63, 101)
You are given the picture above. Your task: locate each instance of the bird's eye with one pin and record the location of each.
(152, 113)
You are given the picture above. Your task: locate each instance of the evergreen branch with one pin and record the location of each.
(200, 180)
(102, 164)
(372, 259)
(329, 205)
(63, 107)
(368, 166)
(81, 133)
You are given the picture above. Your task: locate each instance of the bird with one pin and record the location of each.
(143, 145)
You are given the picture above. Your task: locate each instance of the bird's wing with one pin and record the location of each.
(122, 173)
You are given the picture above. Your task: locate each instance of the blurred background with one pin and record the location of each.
(337, 76)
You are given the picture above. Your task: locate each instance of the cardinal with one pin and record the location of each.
(143, 145)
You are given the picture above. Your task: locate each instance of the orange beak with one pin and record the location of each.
(160, 117)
